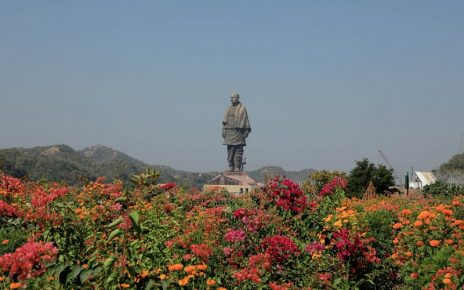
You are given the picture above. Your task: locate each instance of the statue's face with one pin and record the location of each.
(234, 100)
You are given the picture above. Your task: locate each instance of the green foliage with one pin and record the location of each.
(316, 180)
(455, 163)
(442, 188)
(15, 237)
(363, 173)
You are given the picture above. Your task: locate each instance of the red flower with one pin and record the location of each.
(28, 260)
(279, 248)
(286, 194)
(168, 186)
(202, 251)
(336, 183)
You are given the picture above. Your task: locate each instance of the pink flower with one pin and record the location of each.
(234, 236)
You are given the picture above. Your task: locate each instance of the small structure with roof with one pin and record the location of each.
(421, 179)
(236, 182)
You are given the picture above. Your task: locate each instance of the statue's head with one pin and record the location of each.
(234, 98)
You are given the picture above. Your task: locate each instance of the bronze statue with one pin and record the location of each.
(235, 130)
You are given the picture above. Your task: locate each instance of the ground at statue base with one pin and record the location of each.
(235, 182)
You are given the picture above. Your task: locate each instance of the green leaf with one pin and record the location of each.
(135, 216)
(75, 271)
(111, 278)
(121, 199)
(85, 275)
(115, 222)
(109, 262)
(114, 234)
(150, 284)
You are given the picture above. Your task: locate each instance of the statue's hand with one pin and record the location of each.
(245, 134)
(223, 133)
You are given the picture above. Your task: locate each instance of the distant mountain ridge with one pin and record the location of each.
(63, 163)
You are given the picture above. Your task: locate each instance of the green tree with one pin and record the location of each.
(363, 173)
(317, 179)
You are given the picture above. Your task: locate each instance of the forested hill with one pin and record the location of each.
(63, 163)
(453, 170)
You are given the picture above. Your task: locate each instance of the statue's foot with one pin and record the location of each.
(231, 169)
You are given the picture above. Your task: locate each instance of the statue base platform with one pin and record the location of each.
(235, 182)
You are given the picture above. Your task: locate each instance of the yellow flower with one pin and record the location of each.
(338, 224)
(328, 218)
(162, 277)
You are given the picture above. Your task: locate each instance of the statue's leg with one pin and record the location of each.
(238, 158)
(230, 156)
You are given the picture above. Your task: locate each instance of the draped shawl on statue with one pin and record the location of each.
(240, 119)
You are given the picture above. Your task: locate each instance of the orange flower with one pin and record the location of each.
(408, 254)
(418, 223)
(202, 267)
(419, 243)
(184, 281)
(15, 285)
(447, 212)
(85, 266)
(124, 285)
(434, 243)
(397, 226)
(414, 275)
(221, 288)
(162, 277)
(2, 278)
(449, 242)
(175, 267)
(456, 202)
(210, 282)
(144, 274)
(458, 222)
(406, 212)
(447, 281)
(5, 242)
(190, 269)
(396, 241)
(423, 215)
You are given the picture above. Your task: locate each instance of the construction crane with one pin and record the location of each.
(395, 174)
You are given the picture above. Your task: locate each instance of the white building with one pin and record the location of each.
(421, 179)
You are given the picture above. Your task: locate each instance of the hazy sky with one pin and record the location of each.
(325, 83)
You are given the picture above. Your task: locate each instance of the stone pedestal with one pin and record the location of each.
(236, 182)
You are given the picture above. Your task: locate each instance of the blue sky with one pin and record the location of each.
(325, 82)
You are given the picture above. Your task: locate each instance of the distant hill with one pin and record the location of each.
(271, 171)
(63, 163)
(452, 171)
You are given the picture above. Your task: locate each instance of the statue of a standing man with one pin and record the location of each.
(236, 128)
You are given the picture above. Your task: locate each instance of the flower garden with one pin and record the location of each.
(151, 236)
